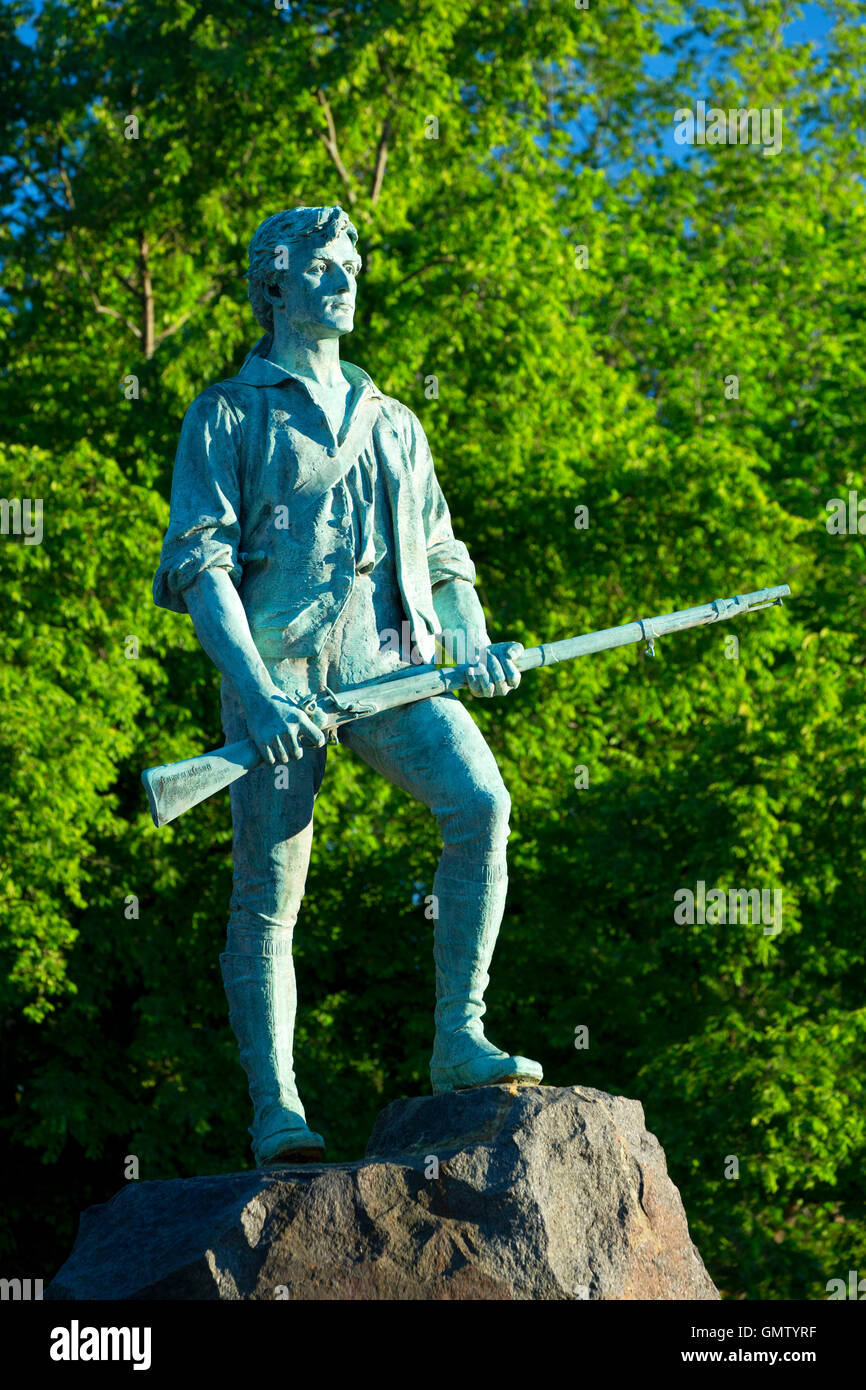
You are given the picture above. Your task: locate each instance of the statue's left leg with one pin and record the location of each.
(435, 751)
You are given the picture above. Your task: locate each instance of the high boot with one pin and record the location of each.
(468, 916)
(262, 1004)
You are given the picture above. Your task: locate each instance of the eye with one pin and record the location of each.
(352, 268)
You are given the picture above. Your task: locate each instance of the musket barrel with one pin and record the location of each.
(645, 629)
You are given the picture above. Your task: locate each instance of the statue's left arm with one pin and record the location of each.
(452, 578)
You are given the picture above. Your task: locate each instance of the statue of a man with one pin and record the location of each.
(307, 528)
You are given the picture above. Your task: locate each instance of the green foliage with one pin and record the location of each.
(557, 387)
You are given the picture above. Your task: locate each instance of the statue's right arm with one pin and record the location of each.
(200, 569)
(273, 721)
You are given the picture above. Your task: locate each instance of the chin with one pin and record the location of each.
(335, 328)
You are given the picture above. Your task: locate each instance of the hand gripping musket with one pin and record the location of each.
(176, 787)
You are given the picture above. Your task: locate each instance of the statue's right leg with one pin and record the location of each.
(272, 816)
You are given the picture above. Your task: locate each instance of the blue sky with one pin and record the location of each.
(812, 28)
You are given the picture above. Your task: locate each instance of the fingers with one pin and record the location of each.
(479, 682)
(289, 744)
(495, 673)
(298, 733)
(301, 733)
(278, 747)
(508, 652)
(273, 750)
(512, 675)
(311, 731)
(265, 752)
(512, 651)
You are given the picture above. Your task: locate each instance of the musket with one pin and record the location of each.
(176, 787)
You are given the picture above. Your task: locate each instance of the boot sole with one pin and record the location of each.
(306, 1148)
(520, 1079)
(309, 1155)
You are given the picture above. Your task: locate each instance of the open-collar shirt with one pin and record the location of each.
(253, 493)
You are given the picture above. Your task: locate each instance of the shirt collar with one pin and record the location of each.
(261, 371)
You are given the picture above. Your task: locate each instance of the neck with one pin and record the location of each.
(297, 349)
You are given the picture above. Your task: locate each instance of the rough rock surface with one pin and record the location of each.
(499, 1192)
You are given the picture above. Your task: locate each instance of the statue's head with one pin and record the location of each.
(303, 266)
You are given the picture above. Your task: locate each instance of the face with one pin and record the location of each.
(317, 295)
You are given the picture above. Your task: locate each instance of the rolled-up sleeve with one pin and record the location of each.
(204, 528)
(447, 558)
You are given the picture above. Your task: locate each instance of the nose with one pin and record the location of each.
(344, 283)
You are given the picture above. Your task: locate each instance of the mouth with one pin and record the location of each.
(347, 308)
